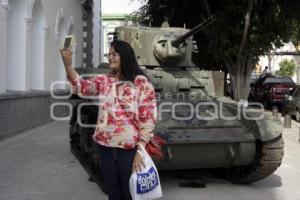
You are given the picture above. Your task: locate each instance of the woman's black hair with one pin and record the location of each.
(129, 65)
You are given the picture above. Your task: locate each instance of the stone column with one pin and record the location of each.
(48, 66)
(96, 33)
(28, 51)
(5, 8)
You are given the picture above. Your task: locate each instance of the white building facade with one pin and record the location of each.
(33, 31)
(116, 13)
(31, 34)
(288, 51)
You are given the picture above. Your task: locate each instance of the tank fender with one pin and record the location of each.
(267, 129)
(264, 128)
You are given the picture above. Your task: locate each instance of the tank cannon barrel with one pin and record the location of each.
(175, 43)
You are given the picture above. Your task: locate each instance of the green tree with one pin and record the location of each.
(243, 31)
(287, 68)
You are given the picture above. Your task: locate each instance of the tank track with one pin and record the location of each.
(268, 155)
(267, 159)
(83, 146)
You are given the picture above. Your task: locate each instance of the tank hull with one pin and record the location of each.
(206, 155)
(237, 146)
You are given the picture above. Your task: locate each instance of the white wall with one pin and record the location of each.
(53, 64)
(37, 48)
(16, 46)
(29, 54)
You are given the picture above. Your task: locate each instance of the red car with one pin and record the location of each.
(270, 90)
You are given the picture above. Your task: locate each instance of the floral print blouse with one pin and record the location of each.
(127, 111)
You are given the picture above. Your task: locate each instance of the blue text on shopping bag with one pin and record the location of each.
(147, 181)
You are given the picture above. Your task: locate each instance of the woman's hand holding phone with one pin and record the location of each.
(67, 56)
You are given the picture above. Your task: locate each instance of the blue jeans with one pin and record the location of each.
(116, 166)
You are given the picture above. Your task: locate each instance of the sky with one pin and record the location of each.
(120, 6)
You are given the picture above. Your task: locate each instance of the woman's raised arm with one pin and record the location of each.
(85, 87)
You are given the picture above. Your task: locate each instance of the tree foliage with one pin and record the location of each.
(287, 68)
(243, 31)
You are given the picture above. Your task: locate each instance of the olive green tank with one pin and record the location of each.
(203, 129)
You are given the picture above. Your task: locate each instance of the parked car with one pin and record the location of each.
(270, 90)
(291, 103)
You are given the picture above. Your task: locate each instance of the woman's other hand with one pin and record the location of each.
(67, 56)
(138, 161)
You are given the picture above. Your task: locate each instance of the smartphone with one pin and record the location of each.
(68, 41)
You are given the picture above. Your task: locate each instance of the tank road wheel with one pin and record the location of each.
(80, 137)
(268, 158)
(82, 144)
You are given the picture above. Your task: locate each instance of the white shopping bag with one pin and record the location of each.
(145, 184)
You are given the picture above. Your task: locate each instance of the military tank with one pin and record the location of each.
(202, 127)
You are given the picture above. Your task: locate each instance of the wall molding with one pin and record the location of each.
(70, 24)
(46, 31)
(59, 18)
(29, 22)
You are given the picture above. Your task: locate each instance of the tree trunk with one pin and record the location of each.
(240, 76)
(241, 69)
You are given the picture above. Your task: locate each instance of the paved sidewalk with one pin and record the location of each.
(38, 165)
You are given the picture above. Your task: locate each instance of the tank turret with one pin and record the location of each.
(170, 50)
(169, 46)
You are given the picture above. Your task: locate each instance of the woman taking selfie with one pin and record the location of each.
(127, 115)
